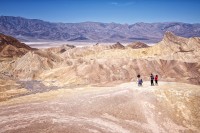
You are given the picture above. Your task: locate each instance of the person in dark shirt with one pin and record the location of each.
(138, 80)
(152, 79)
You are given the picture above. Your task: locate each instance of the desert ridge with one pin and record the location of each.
(93, 88)
(11, 47)
(173, 59)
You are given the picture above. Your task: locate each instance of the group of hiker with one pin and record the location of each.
(152, 79)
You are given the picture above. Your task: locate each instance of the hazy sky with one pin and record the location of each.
(119, 11)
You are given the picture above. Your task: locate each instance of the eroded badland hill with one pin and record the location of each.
(93, 89)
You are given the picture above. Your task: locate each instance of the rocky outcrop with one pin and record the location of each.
(11, 47)
(180, 43)
(173, 59)
(66, 47)
(137, 45)
(124, 70)
(30, 65)
(117, 46)
(60, 49)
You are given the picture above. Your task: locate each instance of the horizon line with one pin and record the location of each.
(98, 21)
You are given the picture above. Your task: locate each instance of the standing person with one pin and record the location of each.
(140, 82)
(156, 79)
(152, 78)
(138, 79)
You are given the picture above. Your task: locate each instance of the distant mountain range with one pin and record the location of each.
(38, 30)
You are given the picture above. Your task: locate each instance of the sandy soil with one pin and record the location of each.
(125, 108)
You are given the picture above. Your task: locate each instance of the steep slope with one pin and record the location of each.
(177, 48)
(10, 47)
(123, 70)
(173, 59)
(32, 64)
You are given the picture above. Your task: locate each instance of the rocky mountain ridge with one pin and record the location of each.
(33, 29)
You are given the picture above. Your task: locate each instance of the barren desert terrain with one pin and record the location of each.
(93, 88)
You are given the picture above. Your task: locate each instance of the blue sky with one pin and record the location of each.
(118, 11)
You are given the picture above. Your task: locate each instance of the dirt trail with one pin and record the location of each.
(125, 108)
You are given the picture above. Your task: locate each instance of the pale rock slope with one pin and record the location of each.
(73, 89)
(173, 59)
